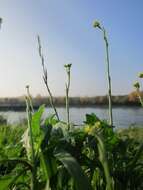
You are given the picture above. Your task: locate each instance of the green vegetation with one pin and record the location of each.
(50, 154)
(89, 157)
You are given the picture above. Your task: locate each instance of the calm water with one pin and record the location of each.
(123, 116)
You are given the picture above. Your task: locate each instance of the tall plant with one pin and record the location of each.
(96, 24)
(29, 120)
(68, 70)
(45, 77)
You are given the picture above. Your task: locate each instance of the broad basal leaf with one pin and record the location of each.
(74, 170)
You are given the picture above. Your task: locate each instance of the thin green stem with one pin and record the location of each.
(67, 100)
(29, 98)
(108, 78)
(45, 78)
(29, 118)
(140, 98)
(68, 67)
(52, 101)
(96, 24)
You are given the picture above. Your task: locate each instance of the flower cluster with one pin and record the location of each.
(91, 129)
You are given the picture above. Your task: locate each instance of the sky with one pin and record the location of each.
(67, 36)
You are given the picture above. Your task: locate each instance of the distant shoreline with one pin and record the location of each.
(18, 103)
(23, 108)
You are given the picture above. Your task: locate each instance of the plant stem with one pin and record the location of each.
(140, 98)
(108, 78)
(29, 118)
(46, 80)
(97, 25)
(29, 99)
(68, 67)
(67, 100)
(52, 101)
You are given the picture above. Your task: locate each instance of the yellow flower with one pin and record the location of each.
(98, 124)
(87, 129)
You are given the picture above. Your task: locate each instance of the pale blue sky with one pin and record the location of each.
(67, 35)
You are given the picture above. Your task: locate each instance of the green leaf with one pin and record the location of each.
(16, 161)
(5, 181)
(37, 133)
(74, 170)
(36, 119)
(48, 165)
(104, 162)
(8, 180)
(91, 119)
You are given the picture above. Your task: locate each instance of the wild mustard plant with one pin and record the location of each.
(68, 70)
(97, 24)
(45, 77)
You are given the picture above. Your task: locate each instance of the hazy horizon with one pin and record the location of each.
(67, 36)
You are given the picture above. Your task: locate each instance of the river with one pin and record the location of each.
(123, 116)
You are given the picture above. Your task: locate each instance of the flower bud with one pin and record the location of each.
(137, 85)
(140, 75)
(96, 24)
(68, 67)
(27, 86)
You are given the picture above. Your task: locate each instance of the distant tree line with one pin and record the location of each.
(19, 102)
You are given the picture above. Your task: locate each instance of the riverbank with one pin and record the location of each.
(18, 103)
